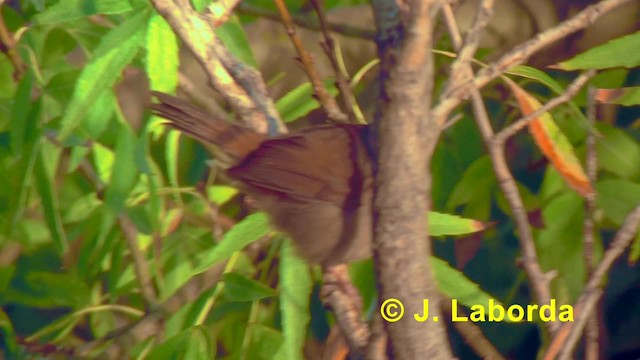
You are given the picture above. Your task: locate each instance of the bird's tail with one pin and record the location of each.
(235, 140)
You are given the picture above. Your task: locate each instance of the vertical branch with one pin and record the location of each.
(139, 262)
(407, 137)
(592, 337)
(539, 282)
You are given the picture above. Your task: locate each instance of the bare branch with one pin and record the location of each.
(466, 50)
(308, 22)
(592, 337)
(139, 262)
(342, 81)
(522, 52)
(472, 335)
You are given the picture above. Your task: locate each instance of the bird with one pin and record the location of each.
(315, 184)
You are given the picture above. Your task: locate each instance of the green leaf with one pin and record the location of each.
(619, 52)
(115, 50)
(66, 10)
(7, 82)
(455, 285)
(194, 343)
(474, 189)
(299, 101)
(97, 120)
(6, 274)
(61, 85)
(559, 245)
(240, 288)
(162, 55)
(265, 342)
(49, 199)
(103, 158)
(295, 287)
(125, 171)
(20, 113)
(445, 224)
(252, 228)
(8, 340)
(45, 290)
(235, 39)
(220, 194)
(57, 45)
(617, 198)
(178, 271)
(535, 74)
(618, 153)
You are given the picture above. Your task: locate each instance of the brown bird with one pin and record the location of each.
(316, 184)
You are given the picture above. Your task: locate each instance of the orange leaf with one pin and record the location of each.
(552, 142)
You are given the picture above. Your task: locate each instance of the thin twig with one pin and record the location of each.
(592, 337)
(472, 334)
(327, 102)
(308, 22)
(504, 134)
(467, 49)
(451, 99)
(538, 280)
(342, 80)
(139, 262)
(565, 339)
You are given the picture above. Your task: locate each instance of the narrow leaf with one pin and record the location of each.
(66, 10)
(115, 50)
(455, 285)
(615, 53)
(240, 288)
(125, 171)
(252, 228)
(552, 142)
(162, 55)
(50, 206)
(235, 39)
(445, 224)
(618, 153)
(20, 113)
(299, 101)
(295, 287)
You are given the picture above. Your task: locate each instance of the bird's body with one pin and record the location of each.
(316, 184)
